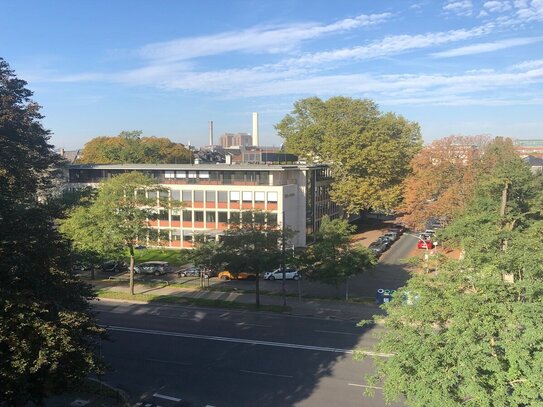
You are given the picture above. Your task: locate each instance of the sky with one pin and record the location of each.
(167, 67)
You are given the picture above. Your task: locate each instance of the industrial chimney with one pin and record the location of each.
(255, 129)
(211, 132)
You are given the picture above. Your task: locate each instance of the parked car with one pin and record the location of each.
(399, 231)
(425, 244)
(378, 247)
(398, 227)
(392, 235)
(190, 272)
(152, 267)
(114, 266)
(227, 275)
(140, 247)
(387, 240)
(290, 274)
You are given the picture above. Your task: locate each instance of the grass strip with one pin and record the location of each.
(203, 302)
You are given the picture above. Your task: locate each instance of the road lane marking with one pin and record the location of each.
(336, 332)
(267, 374)
(365, 386)
(170, 362)
(163, 396)
(234, 340)
(249, 324)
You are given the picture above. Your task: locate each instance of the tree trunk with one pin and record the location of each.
(257, 290)
(131, 269)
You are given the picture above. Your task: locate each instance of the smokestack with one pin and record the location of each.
(211, 132)
(255, 129)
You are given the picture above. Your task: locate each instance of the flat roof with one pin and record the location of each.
(208, 167)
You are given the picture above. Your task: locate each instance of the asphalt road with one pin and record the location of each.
(171, 355)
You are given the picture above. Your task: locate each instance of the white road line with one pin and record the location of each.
(226, 339)
(336, 332)
(170, 362)
(267, 374)
(163, 396)
(365, 386)
(249, 324)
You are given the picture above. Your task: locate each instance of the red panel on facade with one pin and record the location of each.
(272, 206)
(246, 205)
(175, 223)
(260, 205)
(198, 204)
(234, 205)
(153, 223)
(187, 224)
(223, 205)
(164, 223)
(187, 244)
(210, 204)
(222, 225)
(176, 243)
(198, 224)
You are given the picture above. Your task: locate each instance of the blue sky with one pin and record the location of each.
(168, 67)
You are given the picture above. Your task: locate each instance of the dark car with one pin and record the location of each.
(190, 272)
(81, 266)
(387, 240)
(114, 266)
(152, 267)
(378, 247)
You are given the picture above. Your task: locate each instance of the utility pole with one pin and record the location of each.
(283, 262)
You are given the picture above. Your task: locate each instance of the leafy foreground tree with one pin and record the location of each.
(369, 151)
(471, 335)
(333, 259)
(130, 147)
(251, 245)
(47, 329)
(207, 256)
(116, 219)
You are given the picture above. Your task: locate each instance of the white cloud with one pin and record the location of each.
(461, 8)
(496, 6)
(486, 47)
(253, 40)
(527, 65)
(529, 10)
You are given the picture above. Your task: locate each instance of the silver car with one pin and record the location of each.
(290, 274)
(152, 267)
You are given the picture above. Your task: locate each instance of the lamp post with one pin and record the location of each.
(427, 254)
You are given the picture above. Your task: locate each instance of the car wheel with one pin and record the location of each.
(224, 278)
(296, 278)
(182, 275)
(271, 278)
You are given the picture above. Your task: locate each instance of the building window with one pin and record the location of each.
(176, 216)
(180, 174)
(246, 217)
(169, 174)
(163, 214)
(151, 194)
(176, 195)
(272, 196)
(234, 217)
(223, 217)
(192, 174)
(272, 219)
(211, 217)
(222, 196)
(203, 174)
(187, 216)
(260, 218)
(198, 196)
(164, 196)
(234, 196)
(247, 196)
(210, 196)
(198, 216)
(187, 196)
(260, 196)
(187, 238)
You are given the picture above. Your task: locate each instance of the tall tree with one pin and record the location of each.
(116, 219)
(443, 178)
(252, 245)
(471, 335)
(47, 330)
(131, 147)
(369, 150)
(332, 258)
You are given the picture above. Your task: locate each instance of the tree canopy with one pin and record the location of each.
(470, 335)
(131, 147)
(47, 330)
(116, 218)
(333, 259)
(369, 150)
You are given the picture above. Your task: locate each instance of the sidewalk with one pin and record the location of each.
(326, 309)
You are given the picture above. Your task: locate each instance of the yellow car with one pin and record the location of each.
(226, 275)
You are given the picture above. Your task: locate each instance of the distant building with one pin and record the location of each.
(297, 196)
(71, 156)
(525, 148)
(535, 164)
(235, 140)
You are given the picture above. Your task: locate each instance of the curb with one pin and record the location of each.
(121, 394)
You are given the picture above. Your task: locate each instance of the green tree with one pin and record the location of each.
(369, 151)
(47, 329)
(470, 335)
(332, 258)
(131, 147)
(251, 245)
(207, 255)
(116, 219)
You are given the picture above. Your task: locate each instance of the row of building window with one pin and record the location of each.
(212, 196)
(220, 216)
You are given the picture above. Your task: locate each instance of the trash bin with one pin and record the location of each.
(379, 296)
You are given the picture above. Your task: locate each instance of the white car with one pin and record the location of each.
(290, 274)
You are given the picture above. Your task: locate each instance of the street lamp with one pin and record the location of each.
(427, 254)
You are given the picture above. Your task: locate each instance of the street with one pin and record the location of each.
(167, 355)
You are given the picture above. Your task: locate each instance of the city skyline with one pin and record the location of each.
(167, 68)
